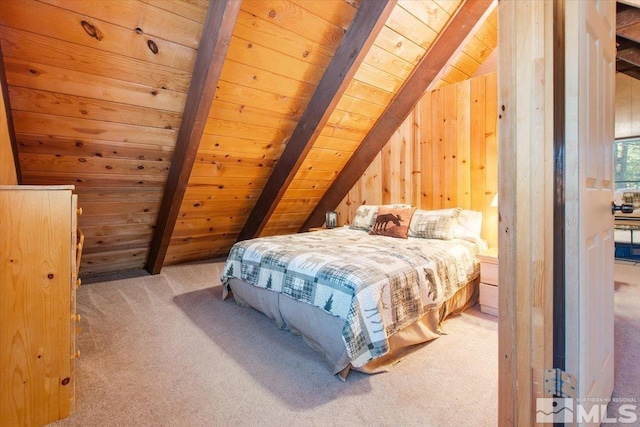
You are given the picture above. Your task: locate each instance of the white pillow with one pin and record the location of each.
(469, 225)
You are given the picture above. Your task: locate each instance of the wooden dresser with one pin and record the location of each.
(39, 259)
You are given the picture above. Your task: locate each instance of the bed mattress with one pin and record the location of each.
(368, 288)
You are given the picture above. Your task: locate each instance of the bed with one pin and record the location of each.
(360, 295)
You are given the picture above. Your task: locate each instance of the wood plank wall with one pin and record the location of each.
(627, 106)
(408, 35)
(445, 154)
(277, 56)
(97, 101)
(95, 107)
(7, 165)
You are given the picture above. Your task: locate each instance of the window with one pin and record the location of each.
(626, 155)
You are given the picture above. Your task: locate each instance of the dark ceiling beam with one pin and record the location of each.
(630, 55)
(367, 23)
(622, 43)
(628, 69)
(459, 26)
(635, 73)
(4, 86)
(627, 16)
(627, 55)
(216, 34)
(631, 32)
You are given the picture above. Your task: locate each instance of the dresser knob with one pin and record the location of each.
(79, 210)
(78, 283)
(76, 354)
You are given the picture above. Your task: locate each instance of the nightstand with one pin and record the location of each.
(489, 281)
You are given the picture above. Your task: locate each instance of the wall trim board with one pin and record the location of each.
(9, 118)
(526, 206)
(559, 276)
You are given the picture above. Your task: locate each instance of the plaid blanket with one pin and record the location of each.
(377, 284)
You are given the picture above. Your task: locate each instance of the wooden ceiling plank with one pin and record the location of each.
(367, 23)
(50, 124)
(42, 101)
(124, 42)
(216, 35)
(295, 20)
(7, 105)
(82, 180)
(30, 48)
(67, 146)
(435, 59)
(194, 10)
(147, 19)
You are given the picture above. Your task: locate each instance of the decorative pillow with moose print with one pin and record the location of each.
(392, 222)
(365, 215)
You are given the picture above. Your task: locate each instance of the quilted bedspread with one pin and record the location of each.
(377, 284)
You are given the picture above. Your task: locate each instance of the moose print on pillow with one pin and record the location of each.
(392, 222)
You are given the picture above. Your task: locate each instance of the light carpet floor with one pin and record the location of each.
(626, 340)
(165, 350)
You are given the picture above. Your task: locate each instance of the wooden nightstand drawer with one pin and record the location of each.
(489, 299)
(489, 273)
(489, 281)
(489, 295)
(489, 266)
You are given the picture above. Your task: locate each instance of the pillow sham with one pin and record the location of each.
(365, 215)
(437, 224)
(392, 222)
(469, 225)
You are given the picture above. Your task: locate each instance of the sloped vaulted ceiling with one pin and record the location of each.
(100, 97)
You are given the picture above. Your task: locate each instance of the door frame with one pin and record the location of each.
(532, 176)
(526, 40)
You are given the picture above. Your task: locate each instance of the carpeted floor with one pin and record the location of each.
(626, 340)
(165, 350)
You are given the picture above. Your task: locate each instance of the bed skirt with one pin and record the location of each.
(323, 331)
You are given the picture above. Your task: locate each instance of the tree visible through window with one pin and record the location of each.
(627, 164)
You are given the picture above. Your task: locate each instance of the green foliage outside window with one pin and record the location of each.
(627, 165)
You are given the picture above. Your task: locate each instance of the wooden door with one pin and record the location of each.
(589, 90)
